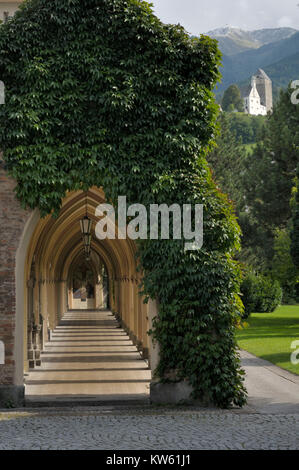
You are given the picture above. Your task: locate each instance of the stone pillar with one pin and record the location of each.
(30, 350)
(62, 299)
(154, 349)
(172, 391)
(37, 344)
(144, 327)
(12, 223)
(69, 295)
(98, 292)
(101, 291)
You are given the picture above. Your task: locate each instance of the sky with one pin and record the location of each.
(201, 16)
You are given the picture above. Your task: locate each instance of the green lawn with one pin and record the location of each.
(269, 336)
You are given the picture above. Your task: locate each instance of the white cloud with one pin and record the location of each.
(244, 4)
(199, 16)
(285, 21)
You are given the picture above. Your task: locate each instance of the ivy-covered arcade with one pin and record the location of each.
(103, 100)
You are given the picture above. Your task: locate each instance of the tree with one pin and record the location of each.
(295, 225)
(283, 268)
(247, 127)
(269, 175)
(227, 161)
(101, 93)
(232, 99)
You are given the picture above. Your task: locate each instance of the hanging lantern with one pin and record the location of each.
(85, 225)
(86, 240)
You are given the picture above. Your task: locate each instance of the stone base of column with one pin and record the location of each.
(12, 396)
(34, 358)
(145, 353)
(172, 393)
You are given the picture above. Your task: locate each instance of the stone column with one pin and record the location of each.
(30, 349)
(13, 221)
(172, 391)
(37, 345)
(154, 349)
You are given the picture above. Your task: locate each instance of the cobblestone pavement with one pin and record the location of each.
(147, 430)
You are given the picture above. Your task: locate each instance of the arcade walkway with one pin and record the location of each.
(89, 358)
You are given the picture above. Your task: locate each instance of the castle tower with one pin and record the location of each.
(252, 100)
(264, 88)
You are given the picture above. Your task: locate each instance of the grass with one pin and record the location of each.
(6, 416)
(270, 335)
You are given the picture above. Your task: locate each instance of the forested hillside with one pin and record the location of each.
(263, 186)
(280, 60)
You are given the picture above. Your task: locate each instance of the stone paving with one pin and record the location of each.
(89, 357)
(148, 429)
(94, 356)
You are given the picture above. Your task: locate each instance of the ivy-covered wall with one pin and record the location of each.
(100, 92)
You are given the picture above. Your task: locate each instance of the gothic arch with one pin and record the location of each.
(51, 248)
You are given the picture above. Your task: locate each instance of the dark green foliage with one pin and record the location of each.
(227, 160)
(100, 92)
(272, 167)
(249, 294)
(283, 268)
(246, 127)
(270, 295)
(269, 178)
(232, 99)
(260, 184)
(283, 72)
(260, 294)
(295, 227)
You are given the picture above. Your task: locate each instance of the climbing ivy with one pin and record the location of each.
(100, 92)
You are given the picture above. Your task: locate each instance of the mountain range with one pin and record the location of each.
(276, 51)
(235, 40)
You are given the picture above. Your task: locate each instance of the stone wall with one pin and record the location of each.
(12, 221)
